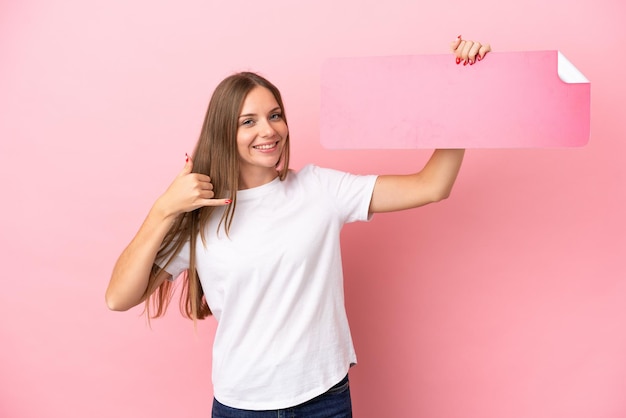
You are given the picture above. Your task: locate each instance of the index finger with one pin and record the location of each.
(216, 202)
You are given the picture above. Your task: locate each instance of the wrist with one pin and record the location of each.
(161, 211)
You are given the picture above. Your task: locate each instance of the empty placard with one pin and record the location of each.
(508, 100)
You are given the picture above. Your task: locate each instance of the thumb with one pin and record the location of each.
(188, 165)
(456, 43)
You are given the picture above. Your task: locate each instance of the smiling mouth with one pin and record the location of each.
(266, 147)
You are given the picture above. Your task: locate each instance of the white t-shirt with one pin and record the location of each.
(275, 286)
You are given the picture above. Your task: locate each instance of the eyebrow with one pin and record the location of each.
(254, 114)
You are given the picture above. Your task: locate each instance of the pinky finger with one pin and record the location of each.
(483, 51)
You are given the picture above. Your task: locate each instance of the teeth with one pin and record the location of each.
(268, 146)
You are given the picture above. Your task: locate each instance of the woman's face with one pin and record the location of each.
(261, 134)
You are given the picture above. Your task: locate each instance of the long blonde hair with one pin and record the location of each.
(215, 155)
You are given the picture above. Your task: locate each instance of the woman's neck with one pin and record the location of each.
(256, 178)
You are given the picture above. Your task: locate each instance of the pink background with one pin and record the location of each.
(505, 301)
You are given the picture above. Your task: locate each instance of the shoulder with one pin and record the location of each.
(312, 177)
(315, 171)
(331, 180)
(307, 170)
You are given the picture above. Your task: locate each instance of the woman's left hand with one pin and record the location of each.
(469, 51)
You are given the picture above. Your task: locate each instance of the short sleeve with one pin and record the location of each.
(351, 193)
(179, 263)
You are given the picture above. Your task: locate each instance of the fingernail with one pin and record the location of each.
(464, 62)
(186, 158)
(478, 58)
(458, 60)
(228, 201)
(471, 62)
(459, 36)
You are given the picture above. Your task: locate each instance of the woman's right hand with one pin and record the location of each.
(188, 191)
(131, 273)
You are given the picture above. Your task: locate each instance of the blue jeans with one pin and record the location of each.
(335, 403)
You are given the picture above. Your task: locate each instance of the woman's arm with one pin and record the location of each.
(129, 280)
(432, 184)
(132, 270)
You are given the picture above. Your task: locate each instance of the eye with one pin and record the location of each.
(276, 116)
(247, 122)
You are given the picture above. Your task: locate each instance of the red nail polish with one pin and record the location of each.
(464, 62)
(458, 60)
(478, 58)
(186, 158)
(228, 201)
(471, 62)
(459, 36)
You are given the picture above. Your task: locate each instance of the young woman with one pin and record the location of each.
(257, 245)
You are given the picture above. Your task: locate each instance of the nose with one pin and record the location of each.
(267, 130)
